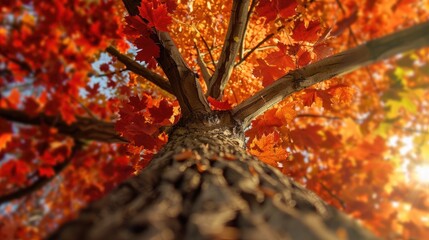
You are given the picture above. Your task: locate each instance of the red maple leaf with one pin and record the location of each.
(15, 171)
(280, 58)
(266, 72)
(156, 14)
(219, 105)
(310, 34)
(46, 172)
(304, 59)
(104, 67)
(161, 113)
(139, 103)
(31, 106)
(135, 26)
(93, 90)
(145, 140)
(148, 50)
(271, 9)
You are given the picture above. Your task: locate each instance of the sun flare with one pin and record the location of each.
(422, 174)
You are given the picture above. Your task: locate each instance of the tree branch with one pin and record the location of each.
(409, 39)
(251, 9)
(268, 37)
(42, 181)
(308, 115)
(202, 65)
(233, 39)
(182, 79)
(83, 128)
(140, 70)
(208, 50)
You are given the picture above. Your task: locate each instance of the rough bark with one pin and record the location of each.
(204, 185)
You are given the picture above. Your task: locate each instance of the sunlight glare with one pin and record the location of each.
(422, 174)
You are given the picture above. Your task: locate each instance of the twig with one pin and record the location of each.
(203, 67)
(209, 51)
(87, 110)
(339, 200)
(268, 37)
(110, 73)
(140, 70)
(307, 115)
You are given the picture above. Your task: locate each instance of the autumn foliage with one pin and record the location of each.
(359, 141)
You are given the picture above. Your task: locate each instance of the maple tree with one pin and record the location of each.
(91, 91)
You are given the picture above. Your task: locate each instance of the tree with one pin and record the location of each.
(202, 81)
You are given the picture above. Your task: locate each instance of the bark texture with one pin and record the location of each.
(204, 185)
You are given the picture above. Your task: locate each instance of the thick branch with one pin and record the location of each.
(233, 39)
(140, 70)
(182, 79)
(83, 128)
(363, 55)
(42, 181)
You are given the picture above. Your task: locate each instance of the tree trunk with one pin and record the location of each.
(204, 185)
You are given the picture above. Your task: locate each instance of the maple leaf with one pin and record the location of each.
(15, 171)
(267, 149)
(11, 101)
(122, 161)
(144, 140)
(4, 139)
(67, 113)
(46, 172)
(31, 106)
(93, 90)
(219, 105)
(148, 51)
(135, 26)
(162, 113)
(5, 133)
(280, 58)
(156, 14)
(309, 34)
(312, 95)
(171, 5)
(104, 67)
(138, 103)
(304, 59)
(266, 72)
(309, 137)
(271, 9)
